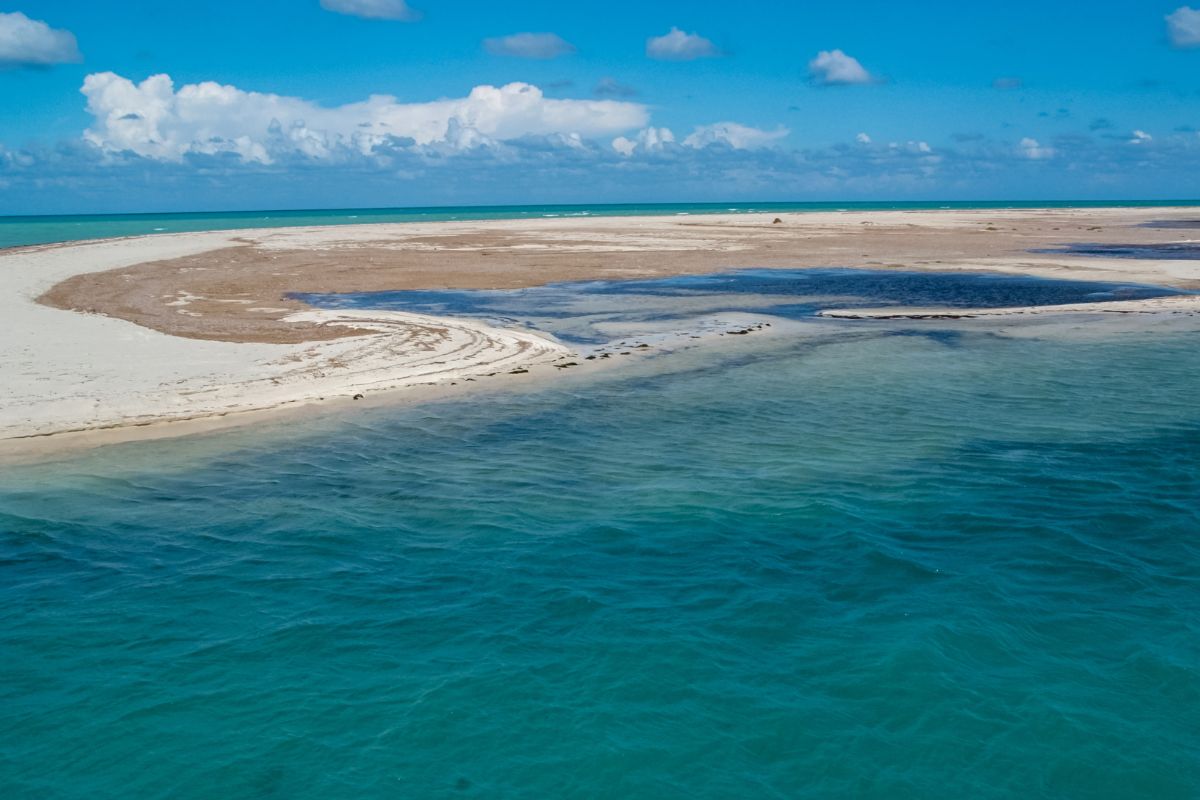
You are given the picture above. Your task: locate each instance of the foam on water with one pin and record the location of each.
(873, 565)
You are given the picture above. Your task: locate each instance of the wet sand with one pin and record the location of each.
(238, 292)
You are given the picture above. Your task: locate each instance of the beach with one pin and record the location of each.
(132, 333)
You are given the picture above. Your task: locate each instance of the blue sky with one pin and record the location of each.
(754, 100)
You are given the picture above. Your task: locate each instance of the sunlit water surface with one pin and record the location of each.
(883, 565)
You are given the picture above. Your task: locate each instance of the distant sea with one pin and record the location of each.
(20, 230)
(884, 560)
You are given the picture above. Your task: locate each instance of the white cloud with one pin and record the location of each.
(733, 134)
(31, 42)
(1141, 137)
(912, 148)
(1183, 26)
(154, 120)
(529, 45)
(835, 68)
(373, 9)
(649, 140)
(1032, 149)
(679, 46)
(863, 138)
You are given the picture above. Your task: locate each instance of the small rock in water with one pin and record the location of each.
(518, 372)
(358, 397)
(777, 221)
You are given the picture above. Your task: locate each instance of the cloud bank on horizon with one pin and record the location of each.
(613, 141)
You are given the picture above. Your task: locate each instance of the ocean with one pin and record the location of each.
(888, 560)
(17, 231)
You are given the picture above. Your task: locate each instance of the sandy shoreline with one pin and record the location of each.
(145, 330)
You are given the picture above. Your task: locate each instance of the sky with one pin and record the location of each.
(146, 105)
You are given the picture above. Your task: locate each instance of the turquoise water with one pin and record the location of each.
(884, 564)
(15, 231)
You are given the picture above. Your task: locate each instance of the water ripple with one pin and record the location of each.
(878, 567)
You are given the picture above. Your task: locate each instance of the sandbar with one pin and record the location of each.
(153, 329)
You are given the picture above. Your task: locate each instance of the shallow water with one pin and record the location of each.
(868, 565)
(1172, 251)
(595, 312)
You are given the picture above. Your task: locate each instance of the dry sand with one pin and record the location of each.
(186, 326)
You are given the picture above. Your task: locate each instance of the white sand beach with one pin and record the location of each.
(67, 371)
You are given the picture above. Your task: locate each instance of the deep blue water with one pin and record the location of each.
(864, 565)
(579, 312)
(26, 230)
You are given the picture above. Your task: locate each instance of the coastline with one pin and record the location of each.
(129, 334)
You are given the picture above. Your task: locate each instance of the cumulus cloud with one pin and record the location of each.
(155, 120)
(863, 138)
(835, 68)
(649, 140)
(1032, 149)
(529, 45)
(1140, 137)
(1183, 27)
(373, 9)
(26, 42)
(679, 46)
(734, 135)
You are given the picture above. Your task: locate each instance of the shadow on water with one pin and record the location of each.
(578, 312)
(1173, 251)
(1173, 224)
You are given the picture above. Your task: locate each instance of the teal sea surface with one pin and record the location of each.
(28, 230)
(896, 563)
(889, 559)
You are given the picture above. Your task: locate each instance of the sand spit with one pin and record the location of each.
(68, 371)
(186, 326)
